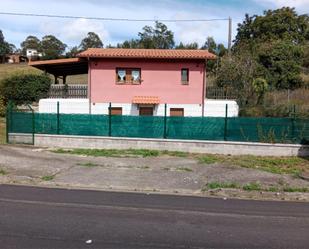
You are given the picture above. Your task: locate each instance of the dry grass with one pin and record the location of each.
(7, 69)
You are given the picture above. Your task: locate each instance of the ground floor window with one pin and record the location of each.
(146, 111)
(116, 111)
(176, 112)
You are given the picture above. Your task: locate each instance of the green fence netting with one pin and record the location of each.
(273, 130)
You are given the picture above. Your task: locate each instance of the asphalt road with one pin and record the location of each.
(57, 218)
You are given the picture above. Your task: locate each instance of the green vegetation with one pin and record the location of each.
(215, 185)
(276, 165)
(2, 172)
(89, 164)
(25, 88)
(48, 177)
(143, 167)
(295, 189)
(209, 159)
(121, 153)
(252, 186)
(184, 169)
(11, 69)
(2, 131)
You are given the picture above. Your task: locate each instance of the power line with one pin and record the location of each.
(112, 19)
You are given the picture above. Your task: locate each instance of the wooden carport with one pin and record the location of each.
(61, 68)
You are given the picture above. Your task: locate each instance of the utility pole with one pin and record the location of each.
(230, 36)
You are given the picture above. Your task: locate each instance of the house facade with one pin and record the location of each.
(147, 81)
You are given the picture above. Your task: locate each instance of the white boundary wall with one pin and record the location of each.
(213, 108)
(193, 146)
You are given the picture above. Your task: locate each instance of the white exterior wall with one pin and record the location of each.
(216, 108)
(213, 108)
(65, 105)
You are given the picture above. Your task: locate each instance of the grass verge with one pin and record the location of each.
(121, 153)
(277, 165)
(2, 172)
(252, 186)
(48, 177)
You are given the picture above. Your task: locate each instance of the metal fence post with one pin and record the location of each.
(110, 119)
(7, 122)
(165, 119)
(225, 123)
(33, 123)
(58, 117)
(293, 121)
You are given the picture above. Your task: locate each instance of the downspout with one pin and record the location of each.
(204, 88)
(89, 84)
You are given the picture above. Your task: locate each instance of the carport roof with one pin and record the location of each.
(62, 67)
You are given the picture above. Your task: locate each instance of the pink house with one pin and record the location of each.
(142, 81)
(135, 81)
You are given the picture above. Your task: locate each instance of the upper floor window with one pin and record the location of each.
(185, 76)
(128, 75)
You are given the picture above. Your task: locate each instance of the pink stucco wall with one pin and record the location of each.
(159, 78)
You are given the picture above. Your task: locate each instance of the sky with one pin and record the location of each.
(72, 31)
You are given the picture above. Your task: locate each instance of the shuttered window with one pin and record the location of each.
(176, 112)
(116, 111)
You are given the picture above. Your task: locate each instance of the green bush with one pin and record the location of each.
(25, 88)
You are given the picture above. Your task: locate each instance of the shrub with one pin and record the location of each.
(25, 88)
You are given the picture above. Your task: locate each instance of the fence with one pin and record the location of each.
(68, 91)
(271, 130)
(80, 91)
(214, 92)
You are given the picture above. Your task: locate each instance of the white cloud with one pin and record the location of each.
(74, 31)
(300, 5)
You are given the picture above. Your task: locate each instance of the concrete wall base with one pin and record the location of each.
(193, 146)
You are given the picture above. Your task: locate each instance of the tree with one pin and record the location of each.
(192, 45)
(276, 41)
(133, 43)
(72, 52)
(52, 48)
(156, 37)
(217, 49)
(281, 64)
(282, 24)
(5, 47)
(31, 42)
(91, 41)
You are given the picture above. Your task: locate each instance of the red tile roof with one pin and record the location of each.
(56, 61)
(146, 53)
(151, 100)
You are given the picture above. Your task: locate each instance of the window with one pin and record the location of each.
(116, 111)
(185, 76)
(128, 75)
(146, 111)
(176, 112)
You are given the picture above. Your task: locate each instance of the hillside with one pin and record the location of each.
(7, 69)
